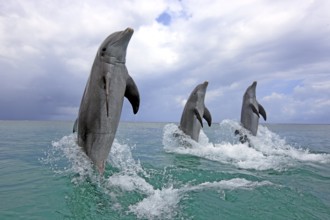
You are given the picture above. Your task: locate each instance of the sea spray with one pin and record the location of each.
(181, 186)
(263, 152)
(130, 178)
(163, 204)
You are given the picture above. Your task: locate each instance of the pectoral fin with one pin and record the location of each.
(132, 94)
(75, 126)
(198, 115)
(207, 116)
(255, 110)
(262, 111)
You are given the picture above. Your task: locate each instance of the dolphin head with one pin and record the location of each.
(198, 94)
(115, 45)
(251, 91)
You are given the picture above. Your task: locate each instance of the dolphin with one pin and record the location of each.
(193, 112)
(103, 98)
(251, 110)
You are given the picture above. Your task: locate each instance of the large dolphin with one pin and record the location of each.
(251, 110)
(102, 101)
(193, 112)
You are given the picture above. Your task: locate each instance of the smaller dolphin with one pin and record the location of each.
(251, 110)
(193, 112)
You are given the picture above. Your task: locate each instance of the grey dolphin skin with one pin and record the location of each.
(193, 112)
(251, 110)
(103, 98)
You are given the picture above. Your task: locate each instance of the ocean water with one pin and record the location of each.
(152, 173)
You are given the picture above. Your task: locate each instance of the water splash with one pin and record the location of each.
(265, 151)
(66, 158)
(163, 204)
(129, 178)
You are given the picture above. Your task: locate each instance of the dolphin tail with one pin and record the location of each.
(255, 110)
(262, 111)
(198, 115)
(75, 126)
(132, 94)
(207, 116)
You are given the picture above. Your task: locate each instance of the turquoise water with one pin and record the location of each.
(285, 174)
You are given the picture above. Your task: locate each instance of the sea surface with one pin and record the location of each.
(155, 172)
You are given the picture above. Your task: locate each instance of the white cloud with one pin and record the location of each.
(284, 45)
(308, 101)
(181, 101)
(153, 50)
(273, 97)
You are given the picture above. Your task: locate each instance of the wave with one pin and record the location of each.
(162, 204)
(263, 152)
(128, 178)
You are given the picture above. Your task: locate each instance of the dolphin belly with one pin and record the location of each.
(190, 126)
(97, 147)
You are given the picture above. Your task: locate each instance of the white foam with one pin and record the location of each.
(160, 203)
(266, 150)
(232, 184)
(130, 183)
(79, 163)
(271, 144)
(121, 157)
(128, 178)
(163, 204)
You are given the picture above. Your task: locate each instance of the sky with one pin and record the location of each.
(47, 49)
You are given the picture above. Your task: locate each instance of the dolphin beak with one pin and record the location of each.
(129, 30)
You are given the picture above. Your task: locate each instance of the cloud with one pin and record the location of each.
(308, 102)
(46, 56)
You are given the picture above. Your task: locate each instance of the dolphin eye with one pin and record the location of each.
(103, 50)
